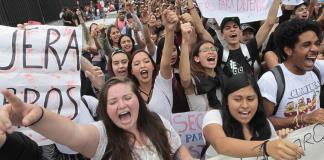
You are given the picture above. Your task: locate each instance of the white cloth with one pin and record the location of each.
(162, 97)
(214, 117)
(83, 117)
(301, 95)
(143, 152)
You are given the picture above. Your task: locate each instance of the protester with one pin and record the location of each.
(299, 104)
(240, 128)
(236, 57)
(126, 126)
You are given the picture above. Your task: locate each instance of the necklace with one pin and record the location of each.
(148, 95)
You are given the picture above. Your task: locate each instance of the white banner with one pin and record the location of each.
(42, 65)
(188, 126)
(246, 10)
(311, 139)
(292, 2)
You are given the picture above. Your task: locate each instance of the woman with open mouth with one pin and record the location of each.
(199, 76)
(156, 86)
(127, 130)
(240, 127)
(118, 63)
(127, 44)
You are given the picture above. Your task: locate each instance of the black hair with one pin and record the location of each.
(287, 34)
(159, 51)
(131, 38)
(259, 125)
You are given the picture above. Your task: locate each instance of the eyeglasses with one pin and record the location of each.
(213, 49)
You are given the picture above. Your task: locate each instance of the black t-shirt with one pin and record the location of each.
(236, 61)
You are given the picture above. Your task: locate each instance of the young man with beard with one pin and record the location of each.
(300, 103)
(236, 57)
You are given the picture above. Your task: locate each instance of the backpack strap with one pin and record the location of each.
(318, 73)
(280, 79)
(244, 50)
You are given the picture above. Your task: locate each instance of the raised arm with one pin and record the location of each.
(264, 30)
(147, 33)
(81, 138)
(170, 20)
(184, 64)
(201, 31)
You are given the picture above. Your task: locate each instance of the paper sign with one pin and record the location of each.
(311, 139)
(246, 10)
(188, 126)
(292, 2)
(42, 65)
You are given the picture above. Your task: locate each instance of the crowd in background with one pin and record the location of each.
(162, 57)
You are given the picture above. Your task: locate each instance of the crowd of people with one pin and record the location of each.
(257, 82)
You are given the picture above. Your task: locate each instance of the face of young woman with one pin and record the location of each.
(126, 44)
(174, 55)
(243, 104)
(207, 56)
(119, 64)
(114, 34)
(122, 106)
(142, 67)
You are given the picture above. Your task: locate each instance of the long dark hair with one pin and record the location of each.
(108, 34)
(259, 125)
(155, 70)
(195, 67)
(120, 142)
(133, 42)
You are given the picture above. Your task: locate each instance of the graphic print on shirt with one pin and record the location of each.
(302, 100)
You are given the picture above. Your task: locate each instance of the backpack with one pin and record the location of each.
(245, 52)
(280, 79)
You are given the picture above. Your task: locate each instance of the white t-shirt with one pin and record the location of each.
(162, 97)
(143, 152)
(301, 95)
(214, 117)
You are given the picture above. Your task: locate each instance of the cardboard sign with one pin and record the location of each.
(42, 65)
(188, 126)
(311, 139)
(246, 10)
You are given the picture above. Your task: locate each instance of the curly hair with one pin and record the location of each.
(286, 35)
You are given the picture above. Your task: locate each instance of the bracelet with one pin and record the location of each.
(40, 118)
(265, 148)
(189, 9)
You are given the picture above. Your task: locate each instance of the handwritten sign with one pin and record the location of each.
(311, 139)
(246, 10)
(292, 2)
(42, 65)
(188, 126)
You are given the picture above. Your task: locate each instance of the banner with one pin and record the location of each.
(246, 10)
(292, 2)
(188, 126)
(311, 139)
(42, 65)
